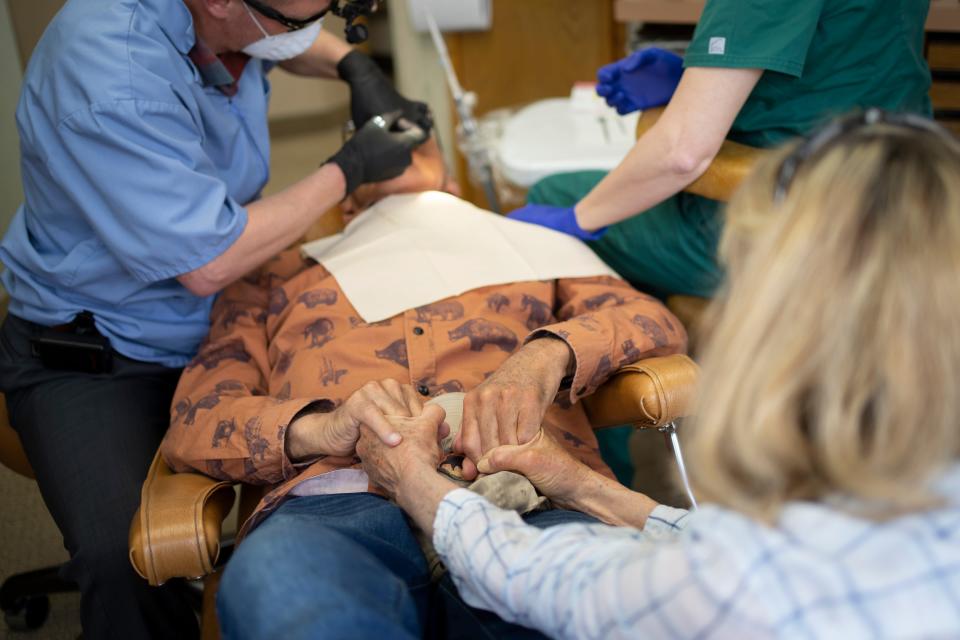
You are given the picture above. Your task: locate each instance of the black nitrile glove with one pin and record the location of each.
(379, 150)
(371, 93)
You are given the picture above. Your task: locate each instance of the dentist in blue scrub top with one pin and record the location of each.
(144, 148)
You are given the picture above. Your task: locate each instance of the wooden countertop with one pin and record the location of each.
(944, 14)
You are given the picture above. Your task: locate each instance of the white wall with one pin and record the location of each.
(11, 192)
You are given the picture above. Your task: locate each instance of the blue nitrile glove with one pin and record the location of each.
(560, 219)
(644, 79)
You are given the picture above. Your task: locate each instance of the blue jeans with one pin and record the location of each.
(349, 566)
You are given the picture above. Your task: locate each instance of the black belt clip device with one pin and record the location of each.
(76, 346)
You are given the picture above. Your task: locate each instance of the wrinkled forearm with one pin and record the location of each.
(419, 495)
(552, 357)
(610, 502)
(302, 437)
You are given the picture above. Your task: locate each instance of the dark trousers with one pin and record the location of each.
(90, 439)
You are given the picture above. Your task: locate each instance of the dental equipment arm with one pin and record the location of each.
(478, 158)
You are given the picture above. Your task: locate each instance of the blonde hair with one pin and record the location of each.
(833, 366)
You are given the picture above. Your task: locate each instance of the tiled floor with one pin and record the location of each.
(30, 540)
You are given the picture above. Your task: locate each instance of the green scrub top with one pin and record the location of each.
(821, 58)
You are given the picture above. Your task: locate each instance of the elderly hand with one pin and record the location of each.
(508, 407)
(644, 79)
(419, 452)
(336, 434)
(563, 219)
(552, 470)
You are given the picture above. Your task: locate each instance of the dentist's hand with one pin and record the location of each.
(563, 219)
(380, 150)
(372, 93)
(644, 79)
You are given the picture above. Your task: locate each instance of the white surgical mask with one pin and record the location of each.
(282, 46)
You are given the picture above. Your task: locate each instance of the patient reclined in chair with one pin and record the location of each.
(298, 336)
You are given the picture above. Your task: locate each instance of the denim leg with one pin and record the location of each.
(337, 566)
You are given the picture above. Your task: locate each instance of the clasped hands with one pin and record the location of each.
(386, 424)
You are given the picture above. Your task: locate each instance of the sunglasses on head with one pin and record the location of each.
(349, 10)
(837, 130)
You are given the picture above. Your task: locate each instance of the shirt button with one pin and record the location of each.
(418, 331)
(423, 390)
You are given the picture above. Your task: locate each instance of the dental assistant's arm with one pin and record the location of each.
(676, 150)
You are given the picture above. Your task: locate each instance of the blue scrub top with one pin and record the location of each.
(134, 172)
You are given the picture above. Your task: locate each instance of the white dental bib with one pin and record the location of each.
(411, 250)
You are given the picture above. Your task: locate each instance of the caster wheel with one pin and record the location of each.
(27, 613)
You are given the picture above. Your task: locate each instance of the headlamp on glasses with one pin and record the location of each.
(349, 10)
(352, 10)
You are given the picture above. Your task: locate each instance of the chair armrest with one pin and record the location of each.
(647, 394)
(176, 531)
(730, 166)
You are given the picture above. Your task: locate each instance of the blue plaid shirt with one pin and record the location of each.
(818, 573)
